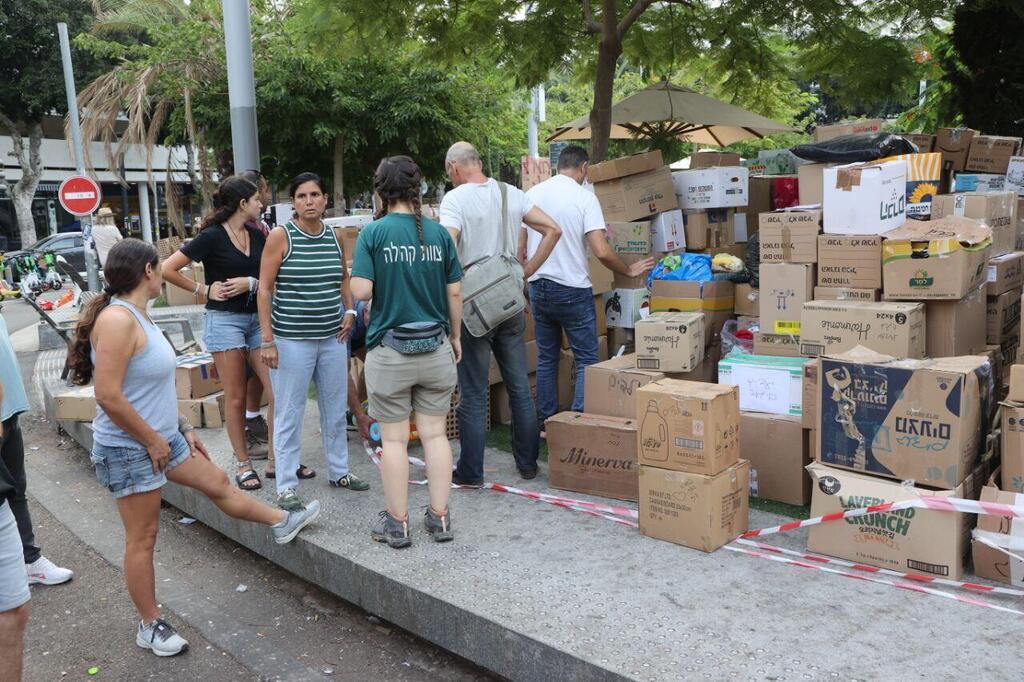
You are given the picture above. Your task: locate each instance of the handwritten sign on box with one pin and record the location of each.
(762, 389)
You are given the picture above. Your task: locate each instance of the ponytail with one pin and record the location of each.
(232, 191)
(80, 355)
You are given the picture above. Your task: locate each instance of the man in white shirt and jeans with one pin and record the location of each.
(472, 215)
(560, 290)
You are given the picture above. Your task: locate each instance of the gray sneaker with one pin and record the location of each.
(290, 501)
(392, 531)
(160, 638)
(439, 527)
(257, 428)
(296, 520)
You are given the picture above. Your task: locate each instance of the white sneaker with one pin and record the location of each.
(160, 638)
(42, 571)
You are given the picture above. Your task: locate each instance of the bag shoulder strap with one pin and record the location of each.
(503, 188)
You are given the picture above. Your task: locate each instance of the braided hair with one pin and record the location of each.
(398, 178)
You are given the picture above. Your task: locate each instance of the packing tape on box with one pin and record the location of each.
(913, 577)
(907, 585)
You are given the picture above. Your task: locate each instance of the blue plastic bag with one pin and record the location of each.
(686, 267)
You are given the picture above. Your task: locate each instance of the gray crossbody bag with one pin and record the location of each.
(492, 289)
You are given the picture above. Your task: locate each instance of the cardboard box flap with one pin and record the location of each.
(595, 420)
(863, 355)
(967, 231)
(693, 389)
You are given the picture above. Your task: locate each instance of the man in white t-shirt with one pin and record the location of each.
(560, 293)
(472, 215)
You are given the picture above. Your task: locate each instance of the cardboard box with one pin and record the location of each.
(983, 183)
(1003, 532)
(789, 236)
(213, 411)
(196, 376)
(709, 229)
(601, 278)
(954, 145)
(747, 300)
(868, 126)
(1004, 273)
(785, 287)
(1016, 383)
(631, 238)
(759, 198)
(896, 329)
(910, 540)
(609, 387)
(75, 404)
(707, 370)
(1013, 438)
(924, 143)
(935, 259)
(627, 165)
(700, 512)
(915, 420)
(1015, 175)
(714, 299)
(688, 426)
(709, 158)
(623, 307)
(777, 345)
(1002, 316)
(593, 454)
(668, 231)
(998, 211)
(850, 261)
(955, 327)
(769, 384)
(924, 178)
(621, 281)
(811, 179)
(176, 296)
(670, 342)
(991, 153)
(777, 449)
(809, 408)
(846, 294)
(719, 187)
(864, 198)
(192, 410)
(634, 197)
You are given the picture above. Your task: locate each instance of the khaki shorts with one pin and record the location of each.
(399, 384)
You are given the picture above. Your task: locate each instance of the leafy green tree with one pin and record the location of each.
(33, 86)
(735, 41)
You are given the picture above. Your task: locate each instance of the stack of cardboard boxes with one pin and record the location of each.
(714, 199)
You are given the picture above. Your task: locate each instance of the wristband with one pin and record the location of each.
(253, 283)
(351, 312)
(195, 291)
(268, 344)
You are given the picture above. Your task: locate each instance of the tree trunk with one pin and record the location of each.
(25, 189)
(339, 175)
(608, 51)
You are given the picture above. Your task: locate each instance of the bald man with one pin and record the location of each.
(472, 215)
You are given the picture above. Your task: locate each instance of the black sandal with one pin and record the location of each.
(303, 472)
(247, 476)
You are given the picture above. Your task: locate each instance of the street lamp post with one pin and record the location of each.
(241, 85)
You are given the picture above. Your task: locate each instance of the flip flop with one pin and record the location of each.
(246, 476)
(303, 472)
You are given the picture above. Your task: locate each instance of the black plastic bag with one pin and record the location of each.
(855, 148)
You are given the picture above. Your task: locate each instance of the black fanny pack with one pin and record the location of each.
(415, 339)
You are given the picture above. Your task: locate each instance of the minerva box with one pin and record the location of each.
(920, 420)
(196, 376)
(688, 426)
(1004, 273)
(767, 383)
(789, 236)
(592, 454)
(896, 329)
(701, 512)
(935, 259)
(670, 342)
(908, 540)
(610, 387)
(850, 261)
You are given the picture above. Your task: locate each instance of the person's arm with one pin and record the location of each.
(172, 275)
(270, 264)
(455, 318)
(361, 281)
(113, 354)
(521, 252)
(550, 233)
(597, 240)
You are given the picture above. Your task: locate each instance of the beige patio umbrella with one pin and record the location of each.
(664, 109)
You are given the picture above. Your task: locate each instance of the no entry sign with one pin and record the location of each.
(79, 195)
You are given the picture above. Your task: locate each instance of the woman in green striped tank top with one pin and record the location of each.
(303, 292)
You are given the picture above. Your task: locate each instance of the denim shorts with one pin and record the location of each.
(225, 330)
(129, 470)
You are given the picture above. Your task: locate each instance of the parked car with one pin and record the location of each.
(68, 245)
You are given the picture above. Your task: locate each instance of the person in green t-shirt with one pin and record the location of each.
(408, 265)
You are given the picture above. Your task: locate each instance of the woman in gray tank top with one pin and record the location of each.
(138, 440)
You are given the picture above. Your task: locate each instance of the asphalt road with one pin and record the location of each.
(278, 628)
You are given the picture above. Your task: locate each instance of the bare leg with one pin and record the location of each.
(209, 479)
(140, 515)
(438, 452)
(394, 468)
(262, 379)
(12, 640)
(231, 368)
